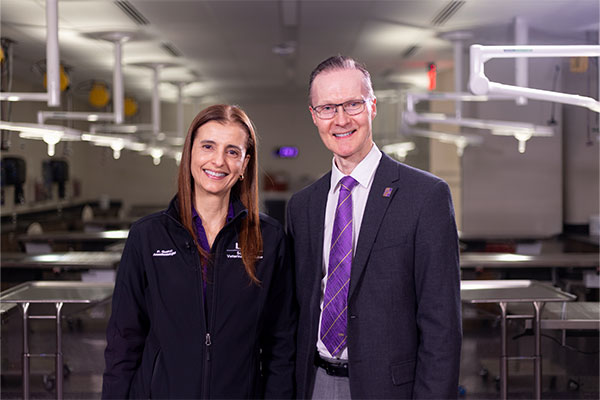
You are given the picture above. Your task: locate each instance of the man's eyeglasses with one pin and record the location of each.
(350, 107)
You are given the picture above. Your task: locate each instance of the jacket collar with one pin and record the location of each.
(239, 210)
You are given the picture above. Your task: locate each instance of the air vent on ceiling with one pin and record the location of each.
(132, 12)
(410, 51)
(170, 49)
(445, 13)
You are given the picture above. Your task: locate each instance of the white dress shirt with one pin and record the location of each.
(363, 173)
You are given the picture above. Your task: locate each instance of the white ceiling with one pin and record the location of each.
(226, 46)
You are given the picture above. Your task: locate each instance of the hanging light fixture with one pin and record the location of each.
(99, 95)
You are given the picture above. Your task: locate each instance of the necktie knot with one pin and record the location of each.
(348, 183)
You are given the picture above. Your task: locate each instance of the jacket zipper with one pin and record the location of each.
(207, 341)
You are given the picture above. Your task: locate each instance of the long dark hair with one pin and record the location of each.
(250, 238)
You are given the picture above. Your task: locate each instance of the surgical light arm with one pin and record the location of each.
(481, 85)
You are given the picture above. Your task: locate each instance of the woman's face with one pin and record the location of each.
(218, 157)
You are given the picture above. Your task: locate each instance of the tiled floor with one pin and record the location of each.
(567, 373)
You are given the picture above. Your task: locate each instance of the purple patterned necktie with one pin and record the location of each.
(333, 323)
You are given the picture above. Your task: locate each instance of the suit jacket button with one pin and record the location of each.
(353, 317)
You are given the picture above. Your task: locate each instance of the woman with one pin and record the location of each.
(201, 309)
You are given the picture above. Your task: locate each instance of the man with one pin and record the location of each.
(376, 260)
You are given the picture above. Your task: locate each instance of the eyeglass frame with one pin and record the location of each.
(362, 101)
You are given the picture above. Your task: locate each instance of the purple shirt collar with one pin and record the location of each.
(201, 233)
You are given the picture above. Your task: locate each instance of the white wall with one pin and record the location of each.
(505, 193)
(580, 148)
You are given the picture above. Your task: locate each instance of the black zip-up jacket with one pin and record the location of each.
(162, 343)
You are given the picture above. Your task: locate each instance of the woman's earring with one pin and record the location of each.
(241, 177)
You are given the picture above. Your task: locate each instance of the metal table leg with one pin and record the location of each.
(503, 355)
(25, 359)
(537, 361)
(59, 356)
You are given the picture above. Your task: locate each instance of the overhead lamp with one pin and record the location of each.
(522, 131)
(130, 106)
(119, 128)
(116, 143)
(177, 157)
(51, 139)
(42, 116)
(480, 84)
(521, 135)
(156, 154)
(50, 134)
(98, 96)
(399, 150)
(413, 118)
(117, 146)
(461, 141)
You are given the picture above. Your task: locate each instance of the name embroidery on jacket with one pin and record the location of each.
(164, 253)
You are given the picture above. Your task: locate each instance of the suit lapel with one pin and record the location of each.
(378, 201)
(316, 215)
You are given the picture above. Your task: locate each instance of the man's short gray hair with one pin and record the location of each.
(340, 62)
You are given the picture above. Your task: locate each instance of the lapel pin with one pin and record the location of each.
(387, 192)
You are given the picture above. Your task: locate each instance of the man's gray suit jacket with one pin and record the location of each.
(404, 319)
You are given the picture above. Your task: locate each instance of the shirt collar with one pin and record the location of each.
(363, 173)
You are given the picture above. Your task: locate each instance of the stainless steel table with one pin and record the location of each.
(59, 293)
(578, 315)
(75, 236)
(110, 222)
(72, 260)
(547, 260)
(553, 261)
(503, 292)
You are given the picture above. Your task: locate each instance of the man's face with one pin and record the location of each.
(348, 137)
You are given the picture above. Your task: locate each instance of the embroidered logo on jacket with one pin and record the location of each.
(234, 253)
(164, 253)
(237, 252)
